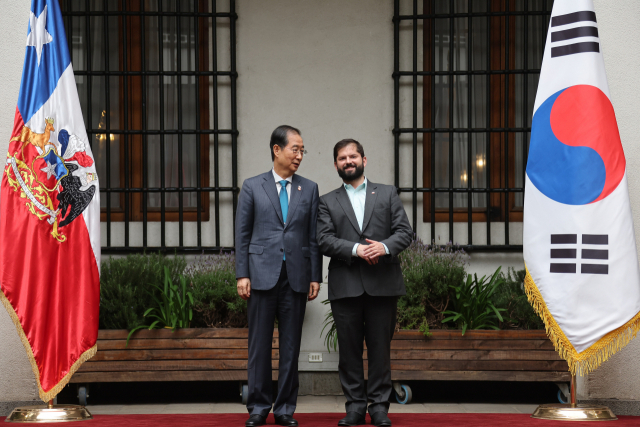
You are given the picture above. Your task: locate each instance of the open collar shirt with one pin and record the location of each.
(357, 197)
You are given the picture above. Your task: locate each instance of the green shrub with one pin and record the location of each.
(216, 300)
(173, 308)
(126, 287)
(429, 271)
(510, 296)
(472, 306)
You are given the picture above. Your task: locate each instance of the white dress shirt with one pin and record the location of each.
(278, 178)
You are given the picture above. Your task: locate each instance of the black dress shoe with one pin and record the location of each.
(286, 420)
(256, 420)
(380, 419)
(352, 419)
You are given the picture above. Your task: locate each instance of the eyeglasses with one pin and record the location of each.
(296, 151)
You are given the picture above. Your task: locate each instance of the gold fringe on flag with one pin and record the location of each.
(591, 358)
(46, 396)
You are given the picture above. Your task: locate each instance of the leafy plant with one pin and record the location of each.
(173, 306)
(511, 296)
(429, 271)
(216, 300)
(472, 304)
(331, 337)
(126, 289)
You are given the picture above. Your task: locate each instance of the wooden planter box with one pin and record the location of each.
(162, 355)
(221, 355)
(476, 356)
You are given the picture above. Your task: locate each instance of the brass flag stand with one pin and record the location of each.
(572, 411)
(49, 414)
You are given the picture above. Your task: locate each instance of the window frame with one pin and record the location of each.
(133, 190)
(500, 127)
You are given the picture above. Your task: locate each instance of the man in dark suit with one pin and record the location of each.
(278, 267)
(363, 227)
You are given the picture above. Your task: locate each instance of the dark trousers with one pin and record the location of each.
(371, 319)
(262, 308)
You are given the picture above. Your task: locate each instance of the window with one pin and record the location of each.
(150, 77)
(474, 73)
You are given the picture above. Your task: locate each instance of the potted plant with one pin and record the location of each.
(203, 335)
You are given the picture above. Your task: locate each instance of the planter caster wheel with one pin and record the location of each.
(244, 392)
(561, 398)
(564, 394)
(403, 393)
(82, 395)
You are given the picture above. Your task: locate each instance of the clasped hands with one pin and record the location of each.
(244, 289)
(371, 252)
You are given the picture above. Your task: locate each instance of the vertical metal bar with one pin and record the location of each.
(469, 134)
(488, 142)
(433, 123)
(396, 93)
(107, 116)
(162, 135)
(198, 134)
(125, 80)
(216, 128)
(145, 145)
(414, 169)
(68, 27)
(546, 21)
(450, 77)
(180, 160)
(89, 117)
(234, 116)
(525, 95)
(507, 18)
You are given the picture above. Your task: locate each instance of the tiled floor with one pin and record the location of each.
(308, 404)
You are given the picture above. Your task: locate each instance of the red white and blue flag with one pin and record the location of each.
(579, 242)
(50, 212)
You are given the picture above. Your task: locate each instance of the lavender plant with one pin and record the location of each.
(429, 271)
(127, 287)
(216, 300)
(510, 295)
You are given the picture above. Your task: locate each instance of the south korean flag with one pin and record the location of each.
(579, 245)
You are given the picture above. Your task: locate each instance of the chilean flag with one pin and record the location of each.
(50, 212)
(579, 243)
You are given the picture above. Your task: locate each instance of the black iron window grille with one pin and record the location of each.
(465, 79)
(157, 86)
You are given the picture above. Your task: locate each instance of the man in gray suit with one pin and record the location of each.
(278, 267)
(363, 227)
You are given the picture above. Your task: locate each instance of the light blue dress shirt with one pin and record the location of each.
(357, 197)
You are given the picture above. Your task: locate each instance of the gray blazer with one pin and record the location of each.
(384, 221)
(262, 236)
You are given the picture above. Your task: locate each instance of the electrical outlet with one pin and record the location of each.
(315, 357)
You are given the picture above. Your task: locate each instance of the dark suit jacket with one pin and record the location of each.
(262, 236)
(384, 221)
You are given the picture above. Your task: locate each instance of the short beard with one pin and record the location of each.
(356, 174)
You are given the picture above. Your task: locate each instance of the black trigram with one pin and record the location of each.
(561, 35)
(595, 253)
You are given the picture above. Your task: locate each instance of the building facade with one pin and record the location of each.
(180, 99)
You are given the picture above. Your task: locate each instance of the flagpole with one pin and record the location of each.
(572, 411)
